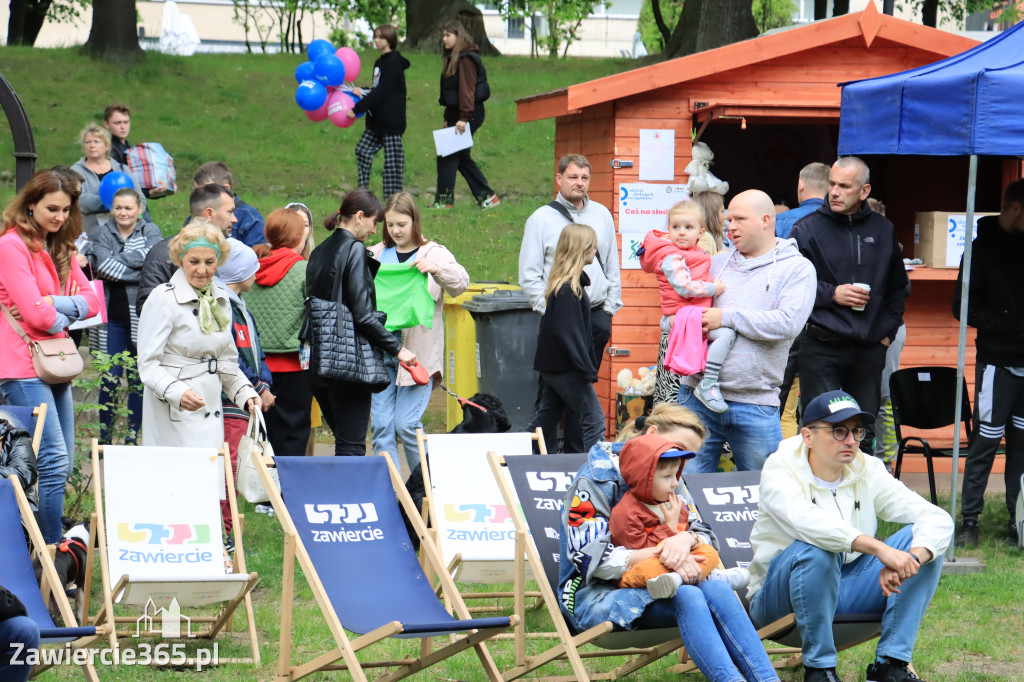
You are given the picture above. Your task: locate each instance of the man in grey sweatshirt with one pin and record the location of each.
(768, 298)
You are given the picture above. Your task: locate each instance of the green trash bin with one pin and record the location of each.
(506, 340)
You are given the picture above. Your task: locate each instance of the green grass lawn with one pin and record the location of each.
(240, 109)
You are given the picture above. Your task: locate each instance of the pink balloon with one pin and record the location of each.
(338, 105)
(350, 59)
(318, 115)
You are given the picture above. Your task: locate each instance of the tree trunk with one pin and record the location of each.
(930, 12)
(113, 36)
(25, 21)
(663, 29)
(424, 20)
(707, 24)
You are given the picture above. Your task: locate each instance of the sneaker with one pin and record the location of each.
(736, 577)
(229, 545)
(967, 536)
(820, 675)
(265, 508)
(877, 671)
(1013, 537)
(490, 202)
(438, 204)
(709, 394)
(898, 671)
(664, 586)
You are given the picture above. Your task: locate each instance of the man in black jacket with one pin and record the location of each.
(850, 326)
(996, 310)
(385, 114)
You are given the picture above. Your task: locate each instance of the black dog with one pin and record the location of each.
(69, 560)
(474, 420)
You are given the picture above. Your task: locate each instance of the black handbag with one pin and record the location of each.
(339, 353)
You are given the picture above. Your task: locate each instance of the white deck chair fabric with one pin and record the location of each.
(468, 510)
(163, 525)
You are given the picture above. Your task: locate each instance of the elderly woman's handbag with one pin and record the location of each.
(56, 360)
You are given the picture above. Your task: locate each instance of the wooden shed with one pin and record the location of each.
(767, 107)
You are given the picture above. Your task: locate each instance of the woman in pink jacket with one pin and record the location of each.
(43, 287)
(397, 411)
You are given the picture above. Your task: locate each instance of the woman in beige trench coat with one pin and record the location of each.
(187, 355)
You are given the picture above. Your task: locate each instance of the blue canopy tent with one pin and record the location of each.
(968, 104)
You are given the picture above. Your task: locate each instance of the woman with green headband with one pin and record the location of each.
(187, 355)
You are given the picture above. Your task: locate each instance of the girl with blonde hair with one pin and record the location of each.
(565, 346)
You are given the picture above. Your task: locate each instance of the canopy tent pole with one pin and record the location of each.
(972, 190)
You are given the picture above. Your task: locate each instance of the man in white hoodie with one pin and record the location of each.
(815, 551)
(768, 298)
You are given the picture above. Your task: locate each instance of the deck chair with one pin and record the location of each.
(31, 419)
(160, 544)
(341, 522)
(470, 524)
(533, 492)
(925, 398)
(19, 577)
(728, 503)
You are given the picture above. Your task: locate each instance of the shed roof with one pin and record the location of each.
(869, 25)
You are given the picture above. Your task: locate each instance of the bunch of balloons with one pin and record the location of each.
(320, 79)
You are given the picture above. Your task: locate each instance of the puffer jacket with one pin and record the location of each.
(342, 257)
(794, 507)
(17, 460)
(276, 301)
(683, 275)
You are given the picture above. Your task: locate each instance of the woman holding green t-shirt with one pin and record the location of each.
(397, 411)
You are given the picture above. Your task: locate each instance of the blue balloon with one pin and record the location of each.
(329, 69)
(310, 95)
(319, 47)
(305, 72)
(112, 182)
(355, 98)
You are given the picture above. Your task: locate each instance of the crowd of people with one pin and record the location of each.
(755, 309)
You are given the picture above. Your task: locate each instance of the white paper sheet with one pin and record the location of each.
(657, 154)
(450, 140)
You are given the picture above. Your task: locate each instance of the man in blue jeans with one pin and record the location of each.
(768, 297)
(815, 551)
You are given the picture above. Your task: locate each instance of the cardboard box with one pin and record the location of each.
(939, 237)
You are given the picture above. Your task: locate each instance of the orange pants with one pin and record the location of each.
(652, 568)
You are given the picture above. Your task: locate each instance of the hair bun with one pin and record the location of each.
(640, 422)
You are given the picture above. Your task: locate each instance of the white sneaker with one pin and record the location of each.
(736, 577)
(664, 586)
(709, 394)
(265, 508)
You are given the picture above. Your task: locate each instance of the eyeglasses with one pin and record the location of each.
(841, 432)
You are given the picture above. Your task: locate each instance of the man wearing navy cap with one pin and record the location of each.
(815, 551)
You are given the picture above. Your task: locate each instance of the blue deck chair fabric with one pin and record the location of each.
(345, 511)
(18, 576)
(20, 417)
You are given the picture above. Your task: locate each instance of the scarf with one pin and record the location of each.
(211, 318)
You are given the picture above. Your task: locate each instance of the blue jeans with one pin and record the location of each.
(752, 431)
(119, 338)
(56, 456)
(716, 631)
(397, 411)
(17, 630)
(815, 585)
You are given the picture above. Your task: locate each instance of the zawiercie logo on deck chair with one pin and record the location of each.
(170, 539)
(357, 515)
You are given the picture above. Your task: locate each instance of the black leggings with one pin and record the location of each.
(346, 410)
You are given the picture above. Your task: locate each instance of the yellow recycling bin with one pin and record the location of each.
(460, 351)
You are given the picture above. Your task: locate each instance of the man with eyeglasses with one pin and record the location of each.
(815, 551)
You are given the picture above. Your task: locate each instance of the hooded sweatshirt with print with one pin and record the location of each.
(767, 302)
(793, 507)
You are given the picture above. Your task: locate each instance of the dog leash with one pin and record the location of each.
(462, 401)
(65, 546)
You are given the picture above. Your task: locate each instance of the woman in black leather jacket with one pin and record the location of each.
(17, 460)
(346, 407)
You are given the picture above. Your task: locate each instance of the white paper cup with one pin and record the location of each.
(866, 287)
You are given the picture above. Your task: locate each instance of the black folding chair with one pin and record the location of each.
(925, 398)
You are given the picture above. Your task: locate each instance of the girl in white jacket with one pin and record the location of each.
(398, 410)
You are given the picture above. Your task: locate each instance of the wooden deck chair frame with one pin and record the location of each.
(430, 516)
(635, 644)
(50, 586)
(347, 647)
(223, 620)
